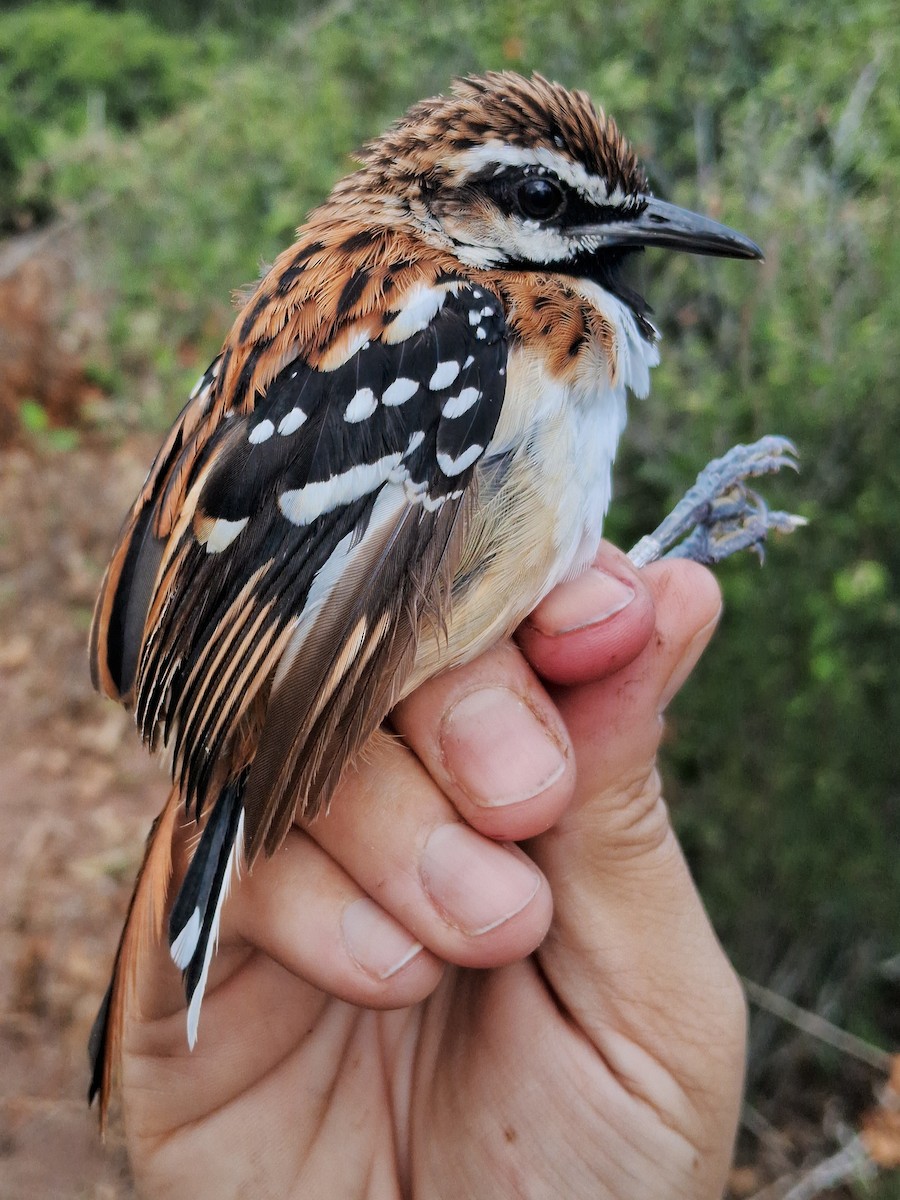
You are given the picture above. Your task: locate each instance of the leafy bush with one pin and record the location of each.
(65, 67)
(234, 15)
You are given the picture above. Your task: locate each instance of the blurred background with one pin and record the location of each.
(154, 154)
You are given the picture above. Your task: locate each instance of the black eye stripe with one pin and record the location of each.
(503, 188)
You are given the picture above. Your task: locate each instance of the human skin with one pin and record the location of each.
(407, 1004)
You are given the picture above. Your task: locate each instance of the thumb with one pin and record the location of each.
(616, 722)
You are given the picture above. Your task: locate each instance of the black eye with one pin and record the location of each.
(539, 199)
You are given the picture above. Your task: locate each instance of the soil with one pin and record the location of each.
(77, 793)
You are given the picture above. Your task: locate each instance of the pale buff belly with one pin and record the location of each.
(536, 525)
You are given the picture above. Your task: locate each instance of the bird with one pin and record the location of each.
(404, 444)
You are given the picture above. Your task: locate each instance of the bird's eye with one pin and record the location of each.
(540, 199)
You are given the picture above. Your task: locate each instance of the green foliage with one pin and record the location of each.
(66, 69)
(250, 20)
(780, 120)
(36, 423)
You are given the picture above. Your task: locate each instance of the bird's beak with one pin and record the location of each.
(662, 224)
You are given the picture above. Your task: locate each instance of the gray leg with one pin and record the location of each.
(720, 515)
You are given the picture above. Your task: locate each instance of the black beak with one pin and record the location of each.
(662, 224)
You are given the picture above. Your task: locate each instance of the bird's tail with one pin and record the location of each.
(143, 926)
(197, 911)
(193, 925)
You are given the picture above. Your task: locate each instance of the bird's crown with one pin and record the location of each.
(504, 120)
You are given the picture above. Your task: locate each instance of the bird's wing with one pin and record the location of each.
(284, 558)
(120, 614)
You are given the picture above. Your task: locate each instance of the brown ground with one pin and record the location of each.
(77, 793)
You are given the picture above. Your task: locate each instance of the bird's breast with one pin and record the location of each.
(543, 489)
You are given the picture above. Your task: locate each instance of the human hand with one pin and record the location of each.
(349, 1049)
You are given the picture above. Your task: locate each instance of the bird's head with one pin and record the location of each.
(508, 172)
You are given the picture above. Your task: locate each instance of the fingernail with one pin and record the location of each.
(497, 749)
(588, 600)
(687, 662)
(475, 884)
(375, 941)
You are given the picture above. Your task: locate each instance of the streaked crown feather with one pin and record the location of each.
(503, 108)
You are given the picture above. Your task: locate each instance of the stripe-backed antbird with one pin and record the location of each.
(404, 444)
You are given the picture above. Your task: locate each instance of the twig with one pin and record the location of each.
(777, 1143)
(851, 118)
(818, 1027)
(850, 1162)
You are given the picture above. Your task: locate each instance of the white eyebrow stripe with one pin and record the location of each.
(500, 154)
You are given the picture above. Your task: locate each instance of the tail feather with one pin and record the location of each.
(143, 928)
(197, 911)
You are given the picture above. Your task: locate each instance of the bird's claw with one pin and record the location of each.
(720, 515)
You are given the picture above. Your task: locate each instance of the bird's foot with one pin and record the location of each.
(720, 515)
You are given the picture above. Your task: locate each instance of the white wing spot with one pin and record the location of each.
(261, 432)
(303, 505)
(457, 405)
(432, 505)
(400, 473)
(480, 333)
(487, 312)
(420, 306)
(361, 406)
(291, 422)
(444, 375)
(223, 534)
(468, 361)
(399, 392)
(474, 317)
(456, 466)
(342, 350)
(476, 293)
